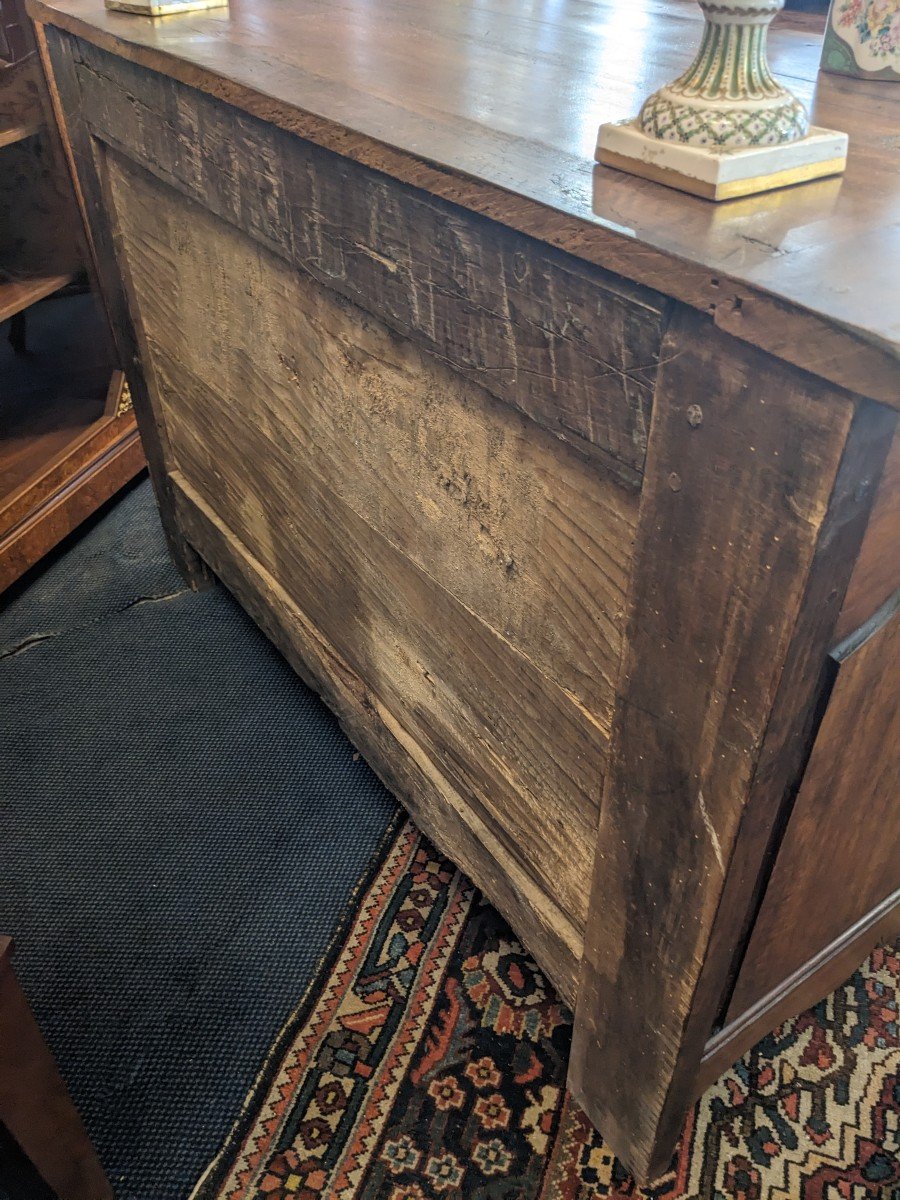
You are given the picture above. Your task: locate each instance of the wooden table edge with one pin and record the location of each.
(843, 354)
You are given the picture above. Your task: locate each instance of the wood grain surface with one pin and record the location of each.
(876, 574)
(35, 1105)
(445, 816)
(511, 455)
(570, 345)
(496, 109)
(468, 565)
(842, 840)
(81, 155)
(718, 586)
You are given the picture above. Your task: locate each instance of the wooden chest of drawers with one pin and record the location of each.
(575, 531)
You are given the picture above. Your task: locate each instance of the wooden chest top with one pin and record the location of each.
(496, 109)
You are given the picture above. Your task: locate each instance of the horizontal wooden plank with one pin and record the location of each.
(444, 561)
(18, 294)
(9, 134)
(509, 520)
(438, 810)
(96, 469)
(570, 345)
(524, 756)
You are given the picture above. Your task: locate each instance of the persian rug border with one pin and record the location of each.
(427, 1061)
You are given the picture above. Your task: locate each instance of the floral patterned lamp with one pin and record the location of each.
(862, 38)
(725, 127)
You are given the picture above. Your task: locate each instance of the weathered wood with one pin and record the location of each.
(518, 528)
(445, 816)
(807, 274)
(802, 691)
(80, 151)
(717, 589)
(854, 768)
(570, 346)
(411, 439)
(377, 488)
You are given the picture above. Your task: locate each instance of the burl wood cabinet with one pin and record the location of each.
(68, 437)
(575, 497)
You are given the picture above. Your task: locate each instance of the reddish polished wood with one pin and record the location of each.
(497, 108)
(34, 1104)
(877, 571)
(856, 758)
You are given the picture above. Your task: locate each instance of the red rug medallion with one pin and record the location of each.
(428, 1062)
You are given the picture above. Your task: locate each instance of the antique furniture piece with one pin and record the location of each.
(68, 437)
(34, 1104)
(566, 490)
(725, 127)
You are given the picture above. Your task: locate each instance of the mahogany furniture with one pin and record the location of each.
(67, 446)
(34, 1104)
(567, 491)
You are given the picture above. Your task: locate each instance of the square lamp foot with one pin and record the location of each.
(162, 8)
(716, 173)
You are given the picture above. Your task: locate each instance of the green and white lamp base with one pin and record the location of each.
(717, 172)
(725, 127)
(162, 8)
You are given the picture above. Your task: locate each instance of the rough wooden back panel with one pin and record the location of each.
(573, 346)
(468, 565)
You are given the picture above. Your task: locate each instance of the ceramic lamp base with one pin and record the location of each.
(162, 8)
(719, 174)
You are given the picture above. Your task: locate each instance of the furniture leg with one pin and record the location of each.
(35, 1105)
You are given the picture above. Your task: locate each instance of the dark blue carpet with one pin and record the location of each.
(183, 827)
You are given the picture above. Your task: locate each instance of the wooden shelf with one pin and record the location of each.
(18, 133)
(19, 294)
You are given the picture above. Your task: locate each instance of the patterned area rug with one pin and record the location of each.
(428, 1063)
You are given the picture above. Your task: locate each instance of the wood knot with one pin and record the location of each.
(674, 482)
(695, 416)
